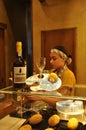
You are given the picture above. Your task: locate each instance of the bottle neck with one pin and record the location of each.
(19, 53)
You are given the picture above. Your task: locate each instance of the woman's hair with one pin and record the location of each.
(62, 52)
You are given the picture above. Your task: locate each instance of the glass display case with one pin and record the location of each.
(15, 107)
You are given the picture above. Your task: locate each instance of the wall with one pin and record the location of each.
(16, 11)
(60, 14)
(80, 90)
(9, 40)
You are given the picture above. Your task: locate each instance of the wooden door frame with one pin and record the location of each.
(74, 47)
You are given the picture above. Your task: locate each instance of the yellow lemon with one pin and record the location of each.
(53, 77)
(54, 120)
(26, 127)
(49, 129)
(35, 119)
(72, 123)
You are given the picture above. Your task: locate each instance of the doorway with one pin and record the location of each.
(64, 37)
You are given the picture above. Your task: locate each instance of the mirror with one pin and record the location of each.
(69, 14)
(62, 14)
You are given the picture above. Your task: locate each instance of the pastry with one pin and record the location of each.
(53, 77)
(35, 119)
(53, 120)
(26, 127)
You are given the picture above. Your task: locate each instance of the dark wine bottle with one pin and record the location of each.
(19, 68)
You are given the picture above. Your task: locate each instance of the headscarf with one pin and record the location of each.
(62, 52)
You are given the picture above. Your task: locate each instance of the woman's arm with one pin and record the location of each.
(64, 90)
(50, 100)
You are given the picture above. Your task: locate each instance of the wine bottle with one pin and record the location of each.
(19, 68)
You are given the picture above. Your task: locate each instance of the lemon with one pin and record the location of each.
(53, 77)
(49, 129)
(72, 123)
(54, 120)
(35, 119)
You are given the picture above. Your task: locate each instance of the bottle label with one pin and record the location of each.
(19, 74)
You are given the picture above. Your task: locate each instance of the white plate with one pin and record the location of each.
(44, 83)
(32, 79)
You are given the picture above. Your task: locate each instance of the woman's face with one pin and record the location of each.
(56, 61)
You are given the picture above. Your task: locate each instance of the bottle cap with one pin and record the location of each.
(19, 46)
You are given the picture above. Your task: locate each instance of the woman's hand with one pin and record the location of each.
(65, 90)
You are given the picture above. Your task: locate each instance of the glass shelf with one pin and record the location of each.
(26, 91)
(12, 112)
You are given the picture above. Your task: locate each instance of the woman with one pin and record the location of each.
(59, 60)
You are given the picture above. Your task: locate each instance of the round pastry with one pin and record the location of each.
(53, 77)
(35, 119)
(53, 120)
(72, 123)
(26, 127)
(49, 129)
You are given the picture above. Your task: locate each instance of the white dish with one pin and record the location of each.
(72, 113)
(44, 83)
(32, 79)
(70, 107)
